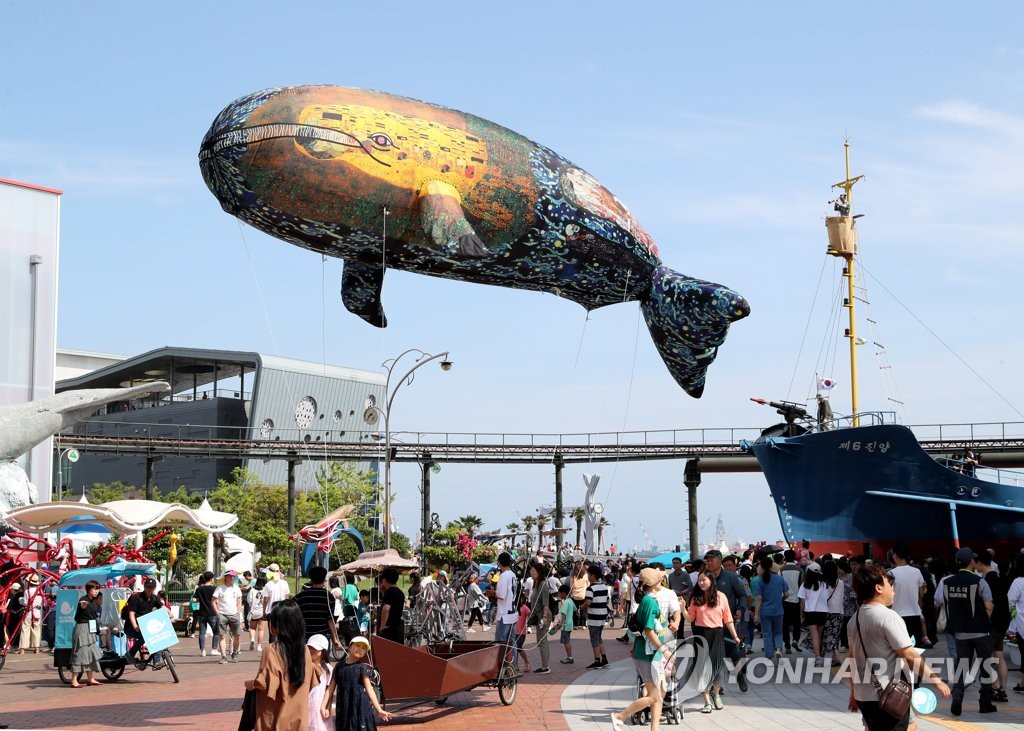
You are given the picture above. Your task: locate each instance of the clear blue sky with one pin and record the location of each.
(722, 129)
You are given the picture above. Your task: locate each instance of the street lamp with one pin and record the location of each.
(72, 456)
(373, 413)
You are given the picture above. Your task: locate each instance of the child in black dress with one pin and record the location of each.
(356, 701)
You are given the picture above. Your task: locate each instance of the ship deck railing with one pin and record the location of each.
(1014, 478)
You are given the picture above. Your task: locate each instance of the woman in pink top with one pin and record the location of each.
(708, 610)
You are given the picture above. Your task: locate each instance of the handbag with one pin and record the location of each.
(248, 720)
(193, 605)
(894, 698)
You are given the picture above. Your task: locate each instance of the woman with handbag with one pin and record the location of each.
(878, 638)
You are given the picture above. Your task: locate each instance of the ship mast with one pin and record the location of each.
(842, 242)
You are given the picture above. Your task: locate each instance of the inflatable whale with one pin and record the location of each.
(385, 181)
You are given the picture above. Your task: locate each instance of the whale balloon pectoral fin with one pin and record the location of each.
(689, 319)
(444, 221)
(360, 291)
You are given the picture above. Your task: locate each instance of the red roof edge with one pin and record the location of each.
(33, 187)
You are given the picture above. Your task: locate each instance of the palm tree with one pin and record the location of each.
(529, 522)
(601, 524)
(578, 514)
(513, 528)
(542, 521)
(470, 524)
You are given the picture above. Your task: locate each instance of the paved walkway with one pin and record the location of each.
(569, 699)
(771, 706)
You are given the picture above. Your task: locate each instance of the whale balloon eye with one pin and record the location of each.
(382, 140)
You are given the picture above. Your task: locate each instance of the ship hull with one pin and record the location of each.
(863, 489)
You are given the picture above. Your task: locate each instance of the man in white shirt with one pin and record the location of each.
(506, 593)
(879, 643)
(229, 616)
(908, 590)
(275, 591)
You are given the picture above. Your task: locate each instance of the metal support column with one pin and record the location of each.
(291, 516)
(559, 464)
(956, 532)
(425, 467)
(691, 478)
(149, 476)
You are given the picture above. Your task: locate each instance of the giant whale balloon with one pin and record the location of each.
(385, 181)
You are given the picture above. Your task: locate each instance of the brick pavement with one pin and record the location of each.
(209, 695)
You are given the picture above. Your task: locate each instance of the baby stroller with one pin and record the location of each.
(671, 708)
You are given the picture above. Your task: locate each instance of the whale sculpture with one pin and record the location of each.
(23, 426)
(385, 181)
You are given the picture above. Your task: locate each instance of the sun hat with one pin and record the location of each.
(33, 580)
(318, 642)
(273, 567)
(650, 577)
(230, 572)
(360, 640)
(15, 586)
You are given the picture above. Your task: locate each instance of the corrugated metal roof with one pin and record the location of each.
(229, 362)
(319, 369)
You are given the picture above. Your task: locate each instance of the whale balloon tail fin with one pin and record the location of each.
(688, 319)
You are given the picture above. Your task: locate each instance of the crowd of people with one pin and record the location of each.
(835, 611)
(840, 611)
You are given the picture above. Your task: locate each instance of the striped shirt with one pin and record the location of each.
(598, 594)
(315, 604)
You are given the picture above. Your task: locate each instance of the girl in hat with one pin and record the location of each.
(356, 700)
(317, 646)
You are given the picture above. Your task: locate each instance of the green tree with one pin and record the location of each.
(529, 523)
(471, 524)
(578, 514)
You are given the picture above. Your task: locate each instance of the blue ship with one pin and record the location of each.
(859, 484)
(860, 489)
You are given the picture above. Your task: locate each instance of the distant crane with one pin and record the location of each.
(648, 544)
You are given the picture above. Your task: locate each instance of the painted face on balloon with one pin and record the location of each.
(402, 150)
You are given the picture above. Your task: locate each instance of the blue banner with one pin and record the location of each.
(67, 605)
(157, 630)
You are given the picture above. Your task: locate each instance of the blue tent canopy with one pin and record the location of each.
(666, 558)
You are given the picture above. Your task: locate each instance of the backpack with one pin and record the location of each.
(631, 621)
(632, 624)
(553, 586)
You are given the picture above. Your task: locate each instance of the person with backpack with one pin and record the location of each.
(647, 652)
(540, 609)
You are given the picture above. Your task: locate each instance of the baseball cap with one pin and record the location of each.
(360, 640)
(318, 642)
(964, 556)
(149, 583)
(814, 566)
(230, 573)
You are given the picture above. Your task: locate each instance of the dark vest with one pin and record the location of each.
(965, 610)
